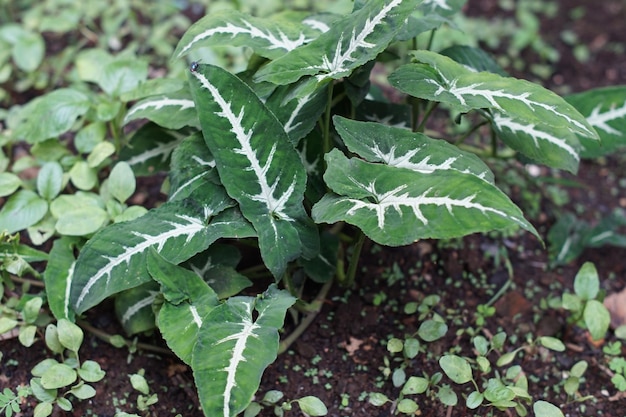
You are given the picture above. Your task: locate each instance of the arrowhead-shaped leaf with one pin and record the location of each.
(351, 42)
(233, 350)
(268, 37)
(402, 148)
(397, 206)
(605, 110)
(115, 258)
(257, 164)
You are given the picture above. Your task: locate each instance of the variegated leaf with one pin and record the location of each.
(192, 165)
(150, 149)
(396, 206)
(257, 164)
(473, 58)
(234, 348)
(268, 37)
(605, 110)
(351, 42)
(554, 146)
(402, 148)
(115, 258)
(444, 80)
(298, 115)
(133, 308)
(58, 276)
(187, 301)
(172, 111)
(442, 7)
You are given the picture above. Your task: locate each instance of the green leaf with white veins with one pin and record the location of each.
(257, 164)
(402, 148)
(115, 258)
(172, 111)
(351, 42)
(442, 7)
(133, 308)
(268, 37)
(234, 348)
(605, 110)
(151, 148)
(397, 206)
(187, 301)
(441, 79)
(192, 165)
(58, 276)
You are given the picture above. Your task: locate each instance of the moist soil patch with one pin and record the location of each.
(342, 357)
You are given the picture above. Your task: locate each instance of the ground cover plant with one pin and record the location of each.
(299, 159)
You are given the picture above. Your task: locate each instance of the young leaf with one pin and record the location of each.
(50, 180)
(442, 7)
(396, 206)
(122, 181)
(605, 110)
(586, 282)
(188, 300)
(233, 349)
(9, 183)
(257, 164)
(597, 319)
(545, 409)
(115, 258)
(23, 209)
(351, 42)
(312, 406)
(457, 368)
(404, 149)
(268, 37)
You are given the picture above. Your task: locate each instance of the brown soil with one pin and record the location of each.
(341, 357)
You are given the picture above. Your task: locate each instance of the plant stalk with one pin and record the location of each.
(354, 261)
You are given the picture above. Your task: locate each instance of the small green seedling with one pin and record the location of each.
(587, 310)
(310, 405)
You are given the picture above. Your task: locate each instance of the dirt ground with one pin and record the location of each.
(341, 357)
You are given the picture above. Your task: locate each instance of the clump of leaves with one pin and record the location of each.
(296, 157)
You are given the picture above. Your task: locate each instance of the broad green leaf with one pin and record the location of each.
(431, 330)
(188, 299)
(150, 150)
(9, 183)
(84, 391)
(70, 335)
(172, 111)
(122, 181)
(58, 275)
(605, 110)
(312, 406)
(122, 75)
(298, 115)
(402, 148)
(552, 343)
(89, 136)
(475, 58)
(115, 258)
(153, 87)
(192, 165)
(415, 385)
(586, 282)
(100, 153)
(396, 206)
(52, 339)
(27, 335)
(456, 368)
(21, 210)
(50, 180)
(555, 146)
(267, 37)
(597, 319)
(7, 324)
(91, 371)
(58, 376)
(519, 106)
(257, 164)
(351, 42)
(377, 399)
(50, 115)
(447, 396)
(234, 348)
(90, 64)
(133, 308)
(474, 400)
(545, 409)
(407, 406)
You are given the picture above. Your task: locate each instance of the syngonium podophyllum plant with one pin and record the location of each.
(301, 156)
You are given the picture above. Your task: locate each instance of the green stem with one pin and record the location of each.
(354, 261)
(429, 110)
(102, 335)
(315, 307)
(431, 39)
(469, 132)
(327, 117)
